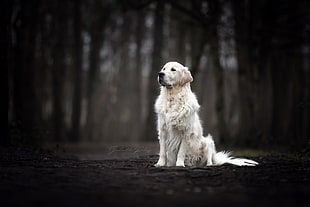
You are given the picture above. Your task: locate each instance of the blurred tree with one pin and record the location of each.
(244, 44)
(157, 58)
(6, 58)
(77, 52)
(59, 67)
(137, 78)
(214, 54)
(100, 15)
(25, 101)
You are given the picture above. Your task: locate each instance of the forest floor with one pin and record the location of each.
(124, 175)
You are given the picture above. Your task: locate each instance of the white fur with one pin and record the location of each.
(179, 128)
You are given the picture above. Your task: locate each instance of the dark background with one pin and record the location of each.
(81, 83)
(85, 71)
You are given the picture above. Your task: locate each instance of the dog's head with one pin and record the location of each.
(174, 74)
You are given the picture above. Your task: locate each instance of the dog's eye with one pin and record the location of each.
(172, 69)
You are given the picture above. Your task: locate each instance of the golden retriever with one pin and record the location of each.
(179, 128)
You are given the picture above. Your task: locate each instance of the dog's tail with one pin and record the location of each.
(220, 158)
(223, 157)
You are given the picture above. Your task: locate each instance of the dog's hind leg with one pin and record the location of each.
(210, 150)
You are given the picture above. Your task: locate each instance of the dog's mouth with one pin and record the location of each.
(162, 82)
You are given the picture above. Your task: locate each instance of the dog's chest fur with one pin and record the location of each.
(170, 102)
(174, 104)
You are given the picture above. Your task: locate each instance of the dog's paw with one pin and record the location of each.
(180, 164)
(160, 163)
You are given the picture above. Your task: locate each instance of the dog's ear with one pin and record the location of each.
(186, 77)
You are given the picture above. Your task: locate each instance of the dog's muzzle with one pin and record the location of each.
(161, 79)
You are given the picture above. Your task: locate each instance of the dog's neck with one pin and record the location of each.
(175, 91)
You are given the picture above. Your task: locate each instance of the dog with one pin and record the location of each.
(179, 128)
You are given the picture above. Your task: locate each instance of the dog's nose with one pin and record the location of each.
(161, 74)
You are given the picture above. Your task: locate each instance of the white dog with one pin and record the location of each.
(179, 128)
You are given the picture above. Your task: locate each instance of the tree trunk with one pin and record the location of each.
(6, 57)
(59, 70)
(150, 129)
(77, 55)
(218, 70)
(138, 74)
(93, 79)
(198, 43)
(243, 46)
(181, 42)
(97, 38)
(25, 99)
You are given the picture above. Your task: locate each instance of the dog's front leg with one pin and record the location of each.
(181, 155)
(162, 152)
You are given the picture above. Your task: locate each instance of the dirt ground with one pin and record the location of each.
(125, 176)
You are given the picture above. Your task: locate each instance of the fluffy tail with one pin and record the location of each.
(223, 157)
